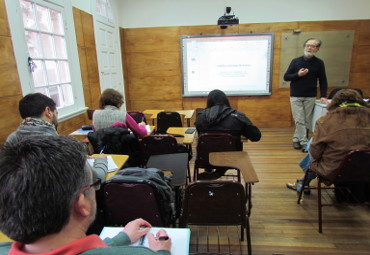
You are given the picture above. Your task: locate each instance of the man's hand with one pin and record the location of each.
(136, 229)
(161, 241)
(324, 100)
(302, 72)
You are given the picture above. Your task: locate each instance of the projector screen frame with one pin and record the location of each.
(267, 86)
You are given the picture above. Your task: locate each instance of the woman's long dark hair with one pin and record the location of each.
(216, 97)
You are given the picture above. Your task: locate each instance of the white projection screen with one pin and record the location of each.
(239, 65)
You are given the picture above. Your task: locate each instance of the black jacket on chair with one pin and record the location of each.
(116, 140)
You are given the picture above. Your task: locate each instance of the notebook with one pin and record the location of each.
(111, 164)
(180, 238)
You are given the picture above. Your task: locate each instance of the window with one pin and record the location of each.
(104, 9)
(46, 52)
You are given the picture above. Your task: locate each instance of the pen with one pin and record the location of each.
(102, 149)
(162, 238)
(142, 240)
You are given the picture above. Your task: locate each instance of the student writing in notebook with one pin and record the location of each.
(48, 202)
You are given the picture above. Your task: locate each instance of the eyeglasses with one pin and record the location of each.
(95, 185)
(311, 46)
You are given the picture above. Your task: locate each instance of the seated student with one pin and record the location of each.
(48, 202)
(345, 127)
(110, 114)
(40, 117)
(219, 117)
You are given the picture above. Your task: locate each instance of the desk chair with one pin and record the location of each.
(116, 140)
(213, 142)
(138, 193)
(167, 119)
(353, 171)
(137, 116)
(175, 162)
(216, 203)
(155, 145)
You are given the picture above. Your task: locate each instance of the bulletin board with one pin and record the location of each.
(335, 51)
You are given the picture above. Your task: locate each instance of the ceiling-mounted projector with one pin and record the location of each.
(227, 19)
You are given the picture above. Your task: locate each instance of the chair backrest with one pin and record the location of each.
(175, 162)
(139, 193)
(168, 119)
(137, 116)
(213, 142)
(214, 203)
(355, 167)
(116, 140)
(124, 202)
(90, 114)
(155, 145)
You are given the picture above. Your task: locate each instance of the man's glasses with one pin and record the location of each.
(95, 185)
(311, 46)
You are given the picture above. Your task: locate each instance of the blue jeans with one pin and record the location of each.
(306, 163)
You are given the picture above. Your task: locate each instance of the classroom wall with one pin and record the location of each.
(152, 67)
(10, 86)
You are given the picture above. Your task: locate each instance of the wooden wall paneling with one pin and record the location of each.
(88, 29)
(328, 25)
(4, 25)
(78, 27)
(152, 39)
(208, 30)
(122, 33)
(67, 127)
(361, 60)
(156, 64)
(147, 88)
(10, 84)
(9, 116)
(85, 76)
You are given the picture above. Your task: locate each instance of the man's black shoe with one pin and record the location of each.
(304, 148)
(297, 145)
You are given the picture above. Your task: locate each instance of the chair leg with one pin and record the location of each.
(303, 185)
(319, 203)
(248, 233)
(195, 173)
(188, 179)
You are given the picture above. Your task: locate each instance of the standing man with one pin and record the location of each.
(303, 73)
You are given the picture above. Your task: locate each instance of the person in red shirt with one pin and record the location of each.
(48, 202)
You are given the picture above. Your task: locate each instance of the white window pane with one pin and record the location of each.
(67, 94)
(54, 94)
(47, 45)
(57, 22)
(41, 90)
(103, 10)
(60, 47)
(33, 44)
(64, 71)
(38, 74)
(51, 72)
(28, 14)
(43, 18)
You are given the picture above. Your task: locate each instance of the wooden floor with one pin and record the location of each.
(278, 224)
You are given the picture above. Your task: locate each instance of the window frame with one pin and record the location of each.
(21, 52)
